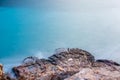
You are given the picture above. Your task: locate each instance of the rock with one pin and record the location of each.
(57, 67)
(96, 73)
(72, 58)
(32, 71)
(1, 71)
(102, 70)
(5, 76)
(109, 64)
(65, 64)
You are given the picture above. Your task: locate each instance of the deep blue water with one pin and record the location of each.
(38, 31)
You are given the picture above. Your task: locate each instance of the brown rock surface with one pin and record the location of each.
(96, 73)
(58, 67)
(65, 64)
(1, 71)
(102, 70)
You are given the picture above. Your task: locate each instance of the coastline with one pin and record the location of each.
(65, 64)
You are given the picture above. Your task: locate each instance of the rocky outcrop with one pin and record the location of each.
(95, 74)
(65, 64)
(1, 71)
(102, 70)
(3, 75)
(57, 67)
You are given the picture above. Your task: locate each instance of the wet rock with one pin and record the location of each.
(57, 67)
(107, 62)
(1, 71)
(72, 58)
(3, 76)
(65, 64)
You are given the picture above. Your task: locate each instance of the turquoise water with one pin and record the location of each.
(39, 30)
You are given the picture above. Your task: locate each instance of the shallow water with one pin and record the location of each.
(37, 30)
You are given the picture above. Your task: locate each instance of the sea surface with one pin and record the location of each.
(37, 30)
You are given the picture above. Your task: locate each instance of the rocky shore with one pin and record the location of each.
(65, 64)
